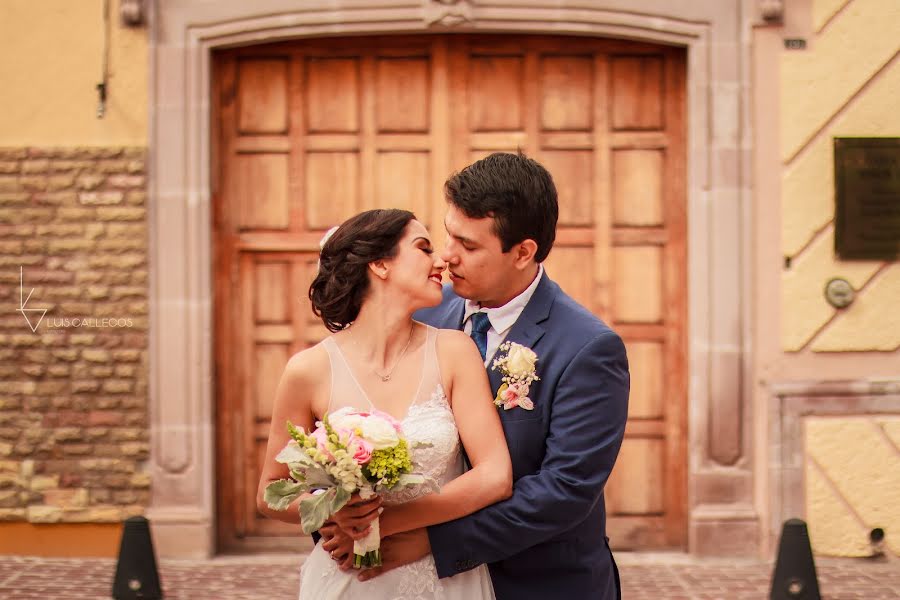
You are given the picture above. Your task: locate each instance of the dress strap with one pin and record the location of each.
(431, 371)
(345, 391)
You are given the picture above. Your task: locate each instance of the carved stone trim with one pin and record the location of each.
(448, 13)
(183, 35)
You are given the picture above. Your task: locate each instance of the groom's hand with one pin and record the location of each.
(398, 550)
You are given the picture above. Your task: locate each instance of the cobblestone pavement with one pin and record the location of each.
(644, 577)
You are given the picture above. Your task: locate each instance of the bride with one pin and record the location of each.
(375, 271)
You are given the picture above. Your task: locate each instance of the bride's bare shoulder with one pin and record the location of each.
(452, 339)
(455, 347)
(308, 365)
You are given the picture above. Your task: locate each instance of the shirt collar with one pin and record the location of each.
(503, 317)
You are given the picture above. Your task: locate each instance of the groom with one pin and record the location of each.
(549, 539)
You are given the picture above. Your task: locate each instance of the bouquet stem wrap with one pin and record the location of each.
(367, 551)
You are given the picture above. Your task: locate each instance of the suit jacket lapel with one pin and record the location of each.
(527, 329)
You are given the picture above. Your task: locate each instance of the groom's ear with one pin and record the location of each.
(379, 268)
(524, 253)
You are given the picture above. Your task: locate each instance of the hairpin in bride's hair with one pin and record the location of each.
(324, 241)
(327, 236)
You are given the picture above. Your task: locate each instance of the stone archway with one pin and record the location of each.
(183, 35)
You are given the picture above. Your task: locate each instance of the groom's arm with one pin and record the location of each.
(587, 424)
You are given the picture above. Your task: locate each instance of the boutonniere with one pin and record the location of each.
(518, 367)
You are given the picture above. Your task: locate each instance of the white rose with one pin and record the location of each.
(520, 361)
(346, 418)
(379, 432)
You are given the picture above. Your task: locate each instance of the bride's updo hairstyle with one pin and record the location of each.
(338, 291)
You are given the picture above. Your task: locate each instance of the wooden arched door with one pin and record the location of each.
(308, 133)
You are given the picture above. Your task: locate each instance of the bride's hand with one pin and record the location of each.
(337, 544)
(356, 516)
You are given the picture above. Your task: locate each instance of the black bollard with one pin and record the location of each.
(795, 571)
(136, 574)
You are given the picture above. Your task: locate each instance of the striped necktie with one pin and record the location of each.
(480, 326)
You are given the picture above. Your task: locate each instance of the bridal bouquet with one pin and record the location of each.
(349, 451)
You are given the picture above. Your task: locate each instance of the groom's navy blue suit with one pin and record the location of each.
(549, 539)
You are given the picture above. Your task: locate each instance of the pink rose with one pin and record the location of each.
(361, 449)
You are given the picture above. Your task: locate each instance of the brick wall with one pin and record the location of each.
(73, 393)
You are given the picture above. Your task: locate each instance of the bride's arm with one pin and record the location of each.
(294, 400)
(490, 478)
(299, 398)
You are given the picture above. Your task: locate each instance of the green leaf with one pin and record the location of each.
(316, 477)
(293, 453)
(279, 494)
(340, 499)
(315, 510)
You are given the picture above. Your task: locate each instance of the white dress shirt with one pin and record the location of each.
(502, 318)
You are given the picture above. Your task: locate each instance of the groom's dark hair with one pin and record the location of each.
(340, 286)
(516, 191)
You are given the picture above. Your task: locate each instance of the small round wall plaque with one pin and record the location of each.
(839, 292)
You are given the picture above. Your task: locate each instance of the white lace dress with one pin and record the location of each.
(429, 420)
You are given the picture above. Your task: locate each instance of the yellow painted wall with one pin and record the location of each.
(852, 483)
(51, 58)
(846, 84)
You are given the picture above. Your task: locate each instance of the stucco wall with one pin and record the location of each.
(852, 488)
(845, 84)
(51, 63)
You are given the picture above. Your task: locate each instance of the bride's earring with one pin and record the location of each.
(379, 268)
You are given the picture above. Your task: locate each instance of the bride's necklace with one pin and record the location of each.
(385, 377)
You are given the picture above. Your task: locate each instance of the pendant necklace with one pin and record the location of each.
(387, 376)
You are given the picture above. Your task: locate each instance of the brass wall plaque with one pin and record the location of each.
(867, 198)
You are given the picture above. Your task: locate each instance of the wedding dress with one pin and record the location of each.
(429, 419)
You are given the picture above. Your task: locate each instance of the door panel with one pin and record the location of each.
(309, 133)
